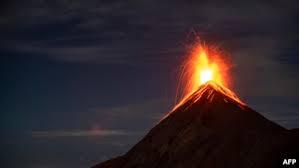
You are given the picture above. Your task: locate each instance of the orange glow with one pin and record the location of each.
(206, 75)
(204, 64)
(204, 69)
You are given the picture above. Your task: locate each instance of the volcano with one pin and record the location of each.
(211, 128)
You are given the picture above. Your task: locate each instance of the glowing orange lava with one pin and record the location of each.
(204, 69)
(204, 72)
(204, 64)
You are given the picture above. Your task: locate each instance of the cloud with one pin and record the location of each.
(257, 34)
(151, 109)
(81, 133)
(138, 116)
(132, 119)
(93, 32)
(137, 25)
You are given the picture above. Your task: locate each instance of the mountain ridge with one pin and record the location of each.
(210, 128)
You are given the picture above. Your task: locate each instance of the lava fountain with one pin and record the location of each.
(205, 64)
(204, 68)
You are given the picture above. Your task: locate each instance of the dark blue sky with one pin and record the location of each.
(83, 81)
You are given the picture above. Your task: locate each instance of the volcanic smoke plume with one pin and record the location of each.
(211, 128)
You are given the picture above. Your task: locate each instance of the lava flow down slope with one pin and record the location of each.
(211, 128)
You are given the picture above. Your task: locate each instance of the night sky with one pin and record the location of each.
(83, 81)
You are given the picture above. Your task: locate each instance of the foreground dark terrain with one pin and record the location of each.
(211, 129)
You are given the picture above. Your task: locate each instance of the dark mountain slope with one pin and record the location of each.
(211, 128)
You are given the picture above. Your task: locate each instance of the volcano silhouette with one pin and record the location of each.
(212, 128)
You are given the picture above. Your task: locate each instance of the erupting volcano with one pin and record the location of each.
(210, 127)
(204, 65)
